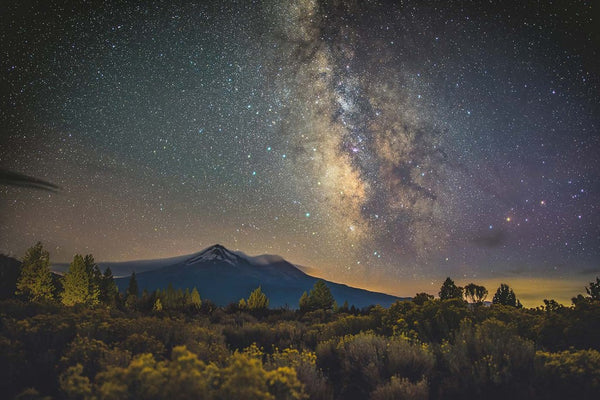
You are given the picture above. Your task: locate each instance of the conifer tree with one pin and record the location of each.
(319, 298)
(132, 288)
(242, 304)
(75, 283)
(35, 281)
(506, 296)
(80, 282)
(195, 301)
(169, 298)
(108, 288)
(303, 303)
(257, 300)
(95, 278)
(132, 293)
(158, 307)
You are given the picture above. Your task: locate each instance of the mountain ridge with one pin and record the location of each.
(225, 276)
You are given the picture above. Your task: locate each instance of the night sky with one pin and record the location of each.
(383, 144)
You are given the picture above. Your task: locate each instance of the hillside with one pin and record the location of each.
(224, 276)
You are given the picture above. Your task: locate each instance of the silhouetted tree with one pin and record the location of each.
(450, 291)
(344, 308)
(108, 288)
(594, 290)
(132, 288)
(476, 293)
(421, 298)
(9, 275)
(35, 280)
(132, 293)
(505, 296)
(552, 305)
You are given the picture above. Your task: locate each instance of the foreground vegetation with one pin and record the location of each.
(95, 343)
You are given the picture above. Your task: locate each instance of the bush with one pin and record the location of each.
(568, 374)
(360, 363)
(401, 389)
(488, 361)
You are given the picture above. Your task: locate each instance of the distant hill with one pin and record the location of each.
(10, 269)
(224, 276)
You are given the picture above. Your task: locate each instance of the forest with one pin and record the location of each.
(76, 337)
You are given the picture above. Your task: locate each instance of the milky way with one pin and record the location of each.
(377, 142)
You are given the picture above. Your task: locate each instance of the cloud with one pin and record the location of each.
(10, 178)
(491, 239)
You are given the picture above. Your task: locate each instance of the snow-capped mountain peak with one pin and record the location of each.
(216, 253)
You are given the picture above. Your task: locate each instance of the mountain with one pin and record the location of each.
(224, 276)
(10, 269)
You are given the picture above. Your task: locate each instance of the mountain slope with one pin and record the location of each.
(224, 276)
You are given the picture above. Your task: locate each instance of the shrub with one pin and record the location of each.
(401, 389)
(488, 361)
(568, 374)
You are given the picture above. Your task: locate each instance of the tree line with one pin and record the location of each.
(97, 344)
(84, 283)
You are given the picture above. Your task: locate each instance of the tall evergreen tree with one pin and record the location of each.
(132, 293)
(257, 300)
(319, 298)
(108, 288)
(95, 279)
(35, 281)
(79, 282)
(506, 296)
(304, 302)
(170, 297)
(132, 288)
(195, 301)
(158, 307)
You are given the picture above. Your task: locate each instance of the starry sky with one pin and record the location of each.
(384, 144)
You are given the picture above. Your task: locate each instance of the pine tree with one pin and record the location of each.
(108, 288)
(35, 281)
(319, 298)
(132, 288)
(132, 293)
(242, 304)
(158, 307)
(169, 299)
(94, 278)
(195, 301)
(257, 300)
(81, 282)
(303, 303)
(506, 296)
